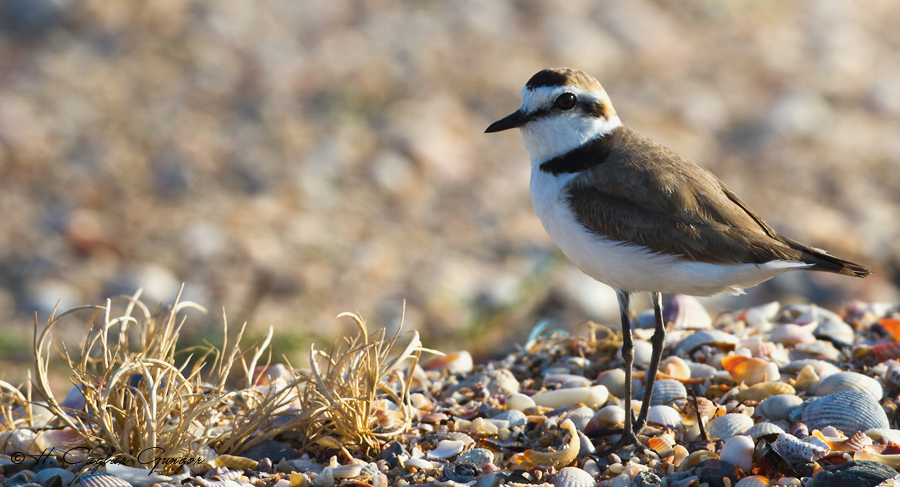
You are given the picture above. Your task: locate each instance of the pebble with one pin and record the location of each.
(854, 474)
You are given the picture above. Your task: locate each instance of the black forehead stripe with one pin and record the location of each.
(593, 153)
(547, 77)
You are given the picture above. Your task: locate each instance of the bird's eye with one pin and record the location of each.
(566, 101)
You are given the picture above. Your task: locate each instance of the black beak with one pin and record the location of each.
(515, 119)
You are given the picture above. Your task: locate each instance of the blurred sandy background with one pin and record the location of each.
(289, 160)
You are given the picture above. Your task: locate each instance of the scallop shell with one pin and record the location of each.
(614, 380)
(739, 451)
(572, 477)
(857, 441)
(884, 435)
(777, 408)
(664, 415)
(850, 381)
(661, 446)
(877, 353)
(715, 338)
(686, 313)
(750, 370)
(234, 461)
(753, 481)
(728, 425)
(892, 461)
(807, 379)
(794, 450)
(447, 449)
(101, 479)
(593, 396)
(763, 429)
(46, 475)
(835, 330)
(665, 391)
(765, 390)
(848, 411)
(558, 459)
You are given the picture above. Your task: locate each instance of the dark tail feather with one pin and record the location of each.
(828, 263)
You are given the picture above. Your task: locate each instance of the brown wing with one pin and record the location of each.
(647, 194)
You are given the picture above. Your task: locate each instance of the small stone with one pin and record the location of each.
(855, 473)
(461, 472)
(392, 454)
(477, 456)
(621, 480)
(647, 479)
(713, 472)
(499, 381)
(514, 416)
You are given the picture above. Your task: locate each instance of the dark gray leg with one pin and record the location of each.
(628, 436)
(658, 341)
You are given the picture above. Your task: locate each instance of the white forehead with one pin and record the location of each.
(544, 96)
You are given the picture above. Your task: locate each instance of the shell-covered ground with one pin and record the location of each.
(771, 395)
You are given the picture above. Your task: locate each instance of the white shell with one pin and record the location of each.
(447, 449)
(665, 391)
(346, 471)
(850, 381)
(791, 334)
(739, 451)
(614, 380)
(610, 416)
(419, 463)
(777, 408)
(753, 481)
(705, 337)
(519, 401)
(686, 313)
(763, 429)
(594, 396)
(728, 425)
(794, 450)
(663, 415)
(572, 477)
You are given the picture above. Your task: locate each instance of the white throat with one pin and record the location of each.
(550, 137)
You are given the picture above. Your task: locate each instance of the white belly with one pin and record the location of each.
(634, 268)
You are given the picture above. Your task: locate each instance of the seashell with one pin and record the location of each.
(299, 480)
(728, 425)
(750, 370)
(665, 391)
(892, 461)
(594, 396)
(795, 451)
(848, 411)
(234, 461)
(142, 476)
(765, 390)
(800, 430)
(681, 455)
(558, 459)
(739, 451)
(324, 479)
(753, 481)
(807, 379)
(790, 334)
(418, 464)
(61, 439)
(820, 367)
(850, 381)
(454, 363)
(701, 371)
(714, 338)
(661, 446)
(876, 354)
(763, 429)
(519, 402)
(607, 417)
(884, 435)
(686, 313)
(21, 441)
(664, 416)
(643, 351)
(447, 449)
(347, 471)
(566, 380)
(858, 441)
(100, 479)
(892, 376)
(45, 476)
(580, 416)
(759, 317)
(707, 408)
(777, 408)
(695, 459)
(675, 367)
(818, 349)
(614, 380)
(572, 477)
(835, 330)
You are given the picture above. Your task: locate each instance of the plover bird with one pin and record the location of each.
(638, 217)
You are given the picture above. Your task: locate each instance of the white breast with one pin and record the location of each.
(630, 267)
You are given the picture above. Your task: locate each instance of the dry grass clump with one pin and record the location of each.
(138, 391)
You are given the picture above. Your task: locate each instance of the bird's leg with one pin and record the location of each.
(658, 341)
(628, 436)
